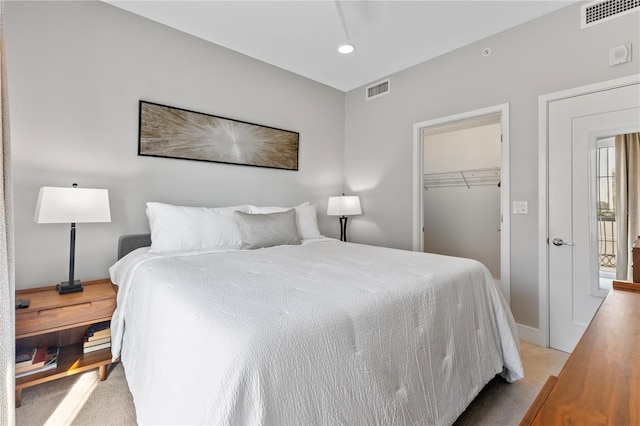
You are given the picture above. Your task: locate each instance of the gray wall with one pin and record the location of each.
(76, 73)
(546, 55)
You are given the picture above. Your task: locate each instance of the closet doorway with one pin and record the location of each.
(462, 168)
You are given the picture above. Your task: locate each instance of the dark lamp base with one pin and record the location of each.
(64, 287)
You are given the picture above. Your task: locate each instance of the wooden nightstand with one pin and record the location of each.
(61, 320)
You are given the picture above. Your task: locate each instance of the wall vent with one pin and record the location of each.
(600, 11)
(380, 88)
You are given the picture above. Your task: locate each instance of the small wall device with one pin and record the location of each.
(620, 54)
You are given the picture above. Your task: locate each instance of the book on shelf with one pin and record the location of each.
(89, 349)
(38, 360)
(88, 343)
(99, 331)
(50, 362)
(24, 357)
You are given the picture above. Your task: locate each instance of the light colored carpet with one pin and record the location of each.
(79, 400)
(84, 400)
(502, 403)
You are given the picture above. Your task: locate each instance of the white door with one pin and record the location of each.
(575, 126)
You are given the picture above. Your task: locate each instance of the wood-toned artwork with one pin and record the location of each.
(178, 133)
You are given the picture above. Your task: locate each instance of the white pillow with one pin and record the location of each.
(306, 218)
(267, 210)
(180, 228)
(307, 221)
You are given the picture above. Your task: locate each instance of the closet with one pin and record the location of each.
(461, 190)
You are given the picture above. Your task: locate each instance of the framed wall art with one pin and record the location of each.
(170, 132)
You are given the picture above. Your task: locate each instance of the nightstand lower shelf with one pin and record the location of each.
(70, 361)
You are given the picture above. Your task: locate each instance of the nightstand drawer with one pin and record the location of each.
(60, 316)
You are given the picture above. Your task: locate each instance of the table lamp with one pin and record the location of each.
(72, 205)
(344, 206)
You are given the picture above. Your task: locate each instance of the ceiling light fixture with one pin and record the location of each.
(345, 49)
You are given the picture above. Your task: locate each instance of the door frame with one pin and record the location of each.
(541, 336)
(418, 181)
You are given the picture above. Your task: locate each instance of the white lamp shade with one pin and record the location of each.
(344, 206)
(72, 205)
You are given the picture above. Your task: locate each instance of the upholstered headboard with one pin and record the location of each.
(128, 243)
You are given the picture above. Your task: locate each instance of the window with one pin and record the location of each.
(606, 210)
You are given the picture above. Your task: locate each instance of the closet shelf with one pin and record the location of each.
(471, 177)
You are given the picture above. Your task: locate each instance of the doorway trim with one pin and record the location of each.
(418, 177)
(541, 336)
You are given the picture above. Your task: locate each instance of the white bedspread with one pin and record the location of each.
(318, 334)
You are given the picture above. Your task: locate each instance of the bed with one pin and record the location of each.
(317, 332)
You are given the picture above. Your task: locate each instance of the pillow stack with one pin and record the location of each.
(182, 228)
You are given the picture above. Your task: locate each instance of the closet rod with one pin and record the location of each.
(468, 178)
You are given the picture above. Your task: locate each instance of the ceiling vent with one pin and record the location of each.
(600, 11)
(380, 88)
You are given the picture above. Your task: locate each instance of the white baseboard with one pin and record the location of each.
(531, 335)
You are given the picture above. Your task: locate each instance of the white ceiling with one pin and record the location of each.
(303, 36)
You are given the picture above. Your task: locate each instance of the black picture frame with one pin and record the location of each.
(171, 132)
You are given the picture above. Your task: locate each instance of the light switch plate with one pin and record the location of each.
(520, 207)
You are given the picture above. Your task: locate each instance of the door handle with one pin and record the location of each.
(558, 242)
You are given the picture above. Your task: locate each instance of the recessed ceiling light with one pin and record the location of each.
(345, 49)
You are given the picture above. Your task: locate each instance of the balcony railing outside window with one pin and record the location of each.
(606, 198)
(607, 240)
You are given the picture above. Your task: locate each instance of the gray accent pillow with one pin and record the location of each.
(267, 230)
